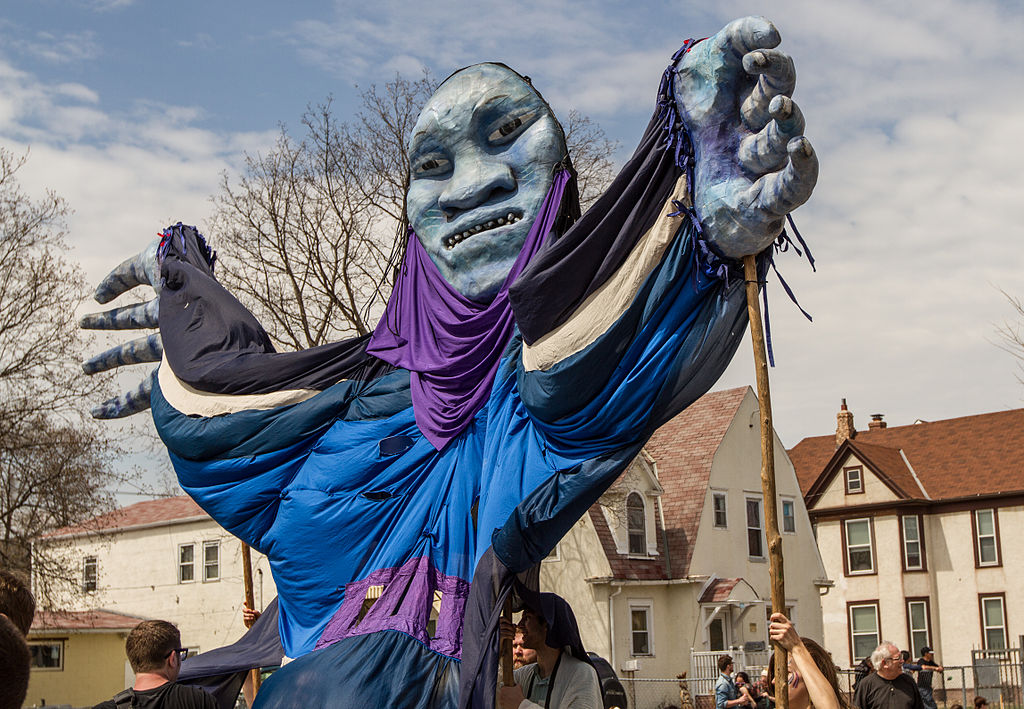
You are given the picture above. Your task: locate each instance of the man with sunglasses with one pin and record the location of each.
(155, 653)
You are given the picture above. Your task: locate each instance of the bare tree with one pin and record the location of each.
(591, 151)
(310, 234)
(54, 459)
(1012, 333)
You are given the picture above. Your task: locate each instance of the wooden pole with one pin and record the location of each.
(507, 677)
(775, 568)
(250, 601)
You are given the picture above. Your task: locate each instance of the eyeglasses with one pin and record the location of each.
(182, 653)
(895, 660)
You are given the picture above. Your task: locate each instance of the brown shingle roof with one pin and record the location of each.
(83, 620)
(168, 509)
(960, 457)
(718, 590)
(683, 450)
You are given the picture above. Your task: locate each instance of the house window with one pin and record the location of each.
(864, 636)
(913, 550)
(917, 625)
(718, 503)
(90, 574)
(186, 563)
(788, 517)
(860, 558)
(986, 541)
(755, 531)
(640, 625)
(993, 622)
(854, 481)
(47, 654)
(211, 561)
(636, 524)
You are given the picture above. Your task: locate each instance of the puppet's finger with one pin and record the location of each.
(143, 349)
(779, 193)
(131, 402)
(766, 151)
(129, 317)
(777, 77)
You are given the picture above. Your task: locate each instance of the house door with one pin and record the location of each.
(717, 628)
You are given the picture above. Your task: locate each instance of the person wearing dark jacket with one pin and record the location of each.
(155, 653)
(927, 665)
(887, 687)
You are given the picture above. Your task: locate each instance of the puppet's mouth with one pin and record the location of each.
(504, 220)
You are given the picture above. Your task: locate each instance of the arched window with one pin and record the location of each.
(636, 524)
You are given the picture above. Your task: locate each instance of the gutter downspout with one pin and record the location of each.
(611, 627)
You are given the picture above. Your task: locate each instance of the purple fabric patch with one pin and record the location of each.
(450, 344)
(404, 605)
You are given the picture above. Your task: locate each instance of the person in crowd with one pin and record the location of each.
(862, 670)
(155, 653)
(727, 694)
(14, 665)
(747, 690)
(763, 692)
(812, 673)
(888, 687)
(562, 677)
(521, 656)
(249, 616)
(16, 601)
(957, 705)
(926, 667)
(980, 702)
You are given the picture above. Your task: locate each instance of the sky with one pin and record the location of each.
(133, 110)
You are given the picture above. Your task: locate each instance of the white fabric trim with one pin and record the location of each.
(605, 305)
(193, 402)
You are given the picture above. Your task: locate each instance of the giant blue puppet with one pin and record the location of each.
(525, 356)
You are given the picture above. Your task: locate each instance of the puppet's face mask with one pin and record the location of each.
(483, 155)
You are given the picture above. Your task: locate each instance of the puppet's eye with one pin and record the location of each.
(507, 128)
(431, 165)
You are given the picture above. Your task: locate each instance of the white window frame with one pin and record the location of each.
(724, 497)
(847, 479)
(978, 536)
(915, 647)
(647, 608)
(44, 642)
(760, 528)
(918, 523)
(871, 546)
(876, 634)
(183, 564)
(985, 627)
(792, 516)
(207, 577)
(643, 552)
(94, 580)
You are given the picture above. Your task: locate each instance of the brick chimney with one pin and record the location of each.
(844, 425)
(877, 421)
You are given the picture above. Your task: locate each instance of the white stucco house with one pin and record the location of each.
(164, 559)
(917, 525)
(673, 561)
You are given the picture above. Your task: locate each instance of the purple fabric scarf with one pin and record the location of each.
(450, 344)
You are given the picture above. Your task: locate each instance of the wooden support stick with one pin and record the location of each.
(250, 601)
(775, 568)
(507, 677)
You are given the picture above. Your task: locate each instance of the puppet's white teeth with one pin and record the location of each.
(456, 239)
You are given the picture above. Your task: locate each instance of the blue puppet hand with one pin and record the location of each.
(752, 165)
(141, 269)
